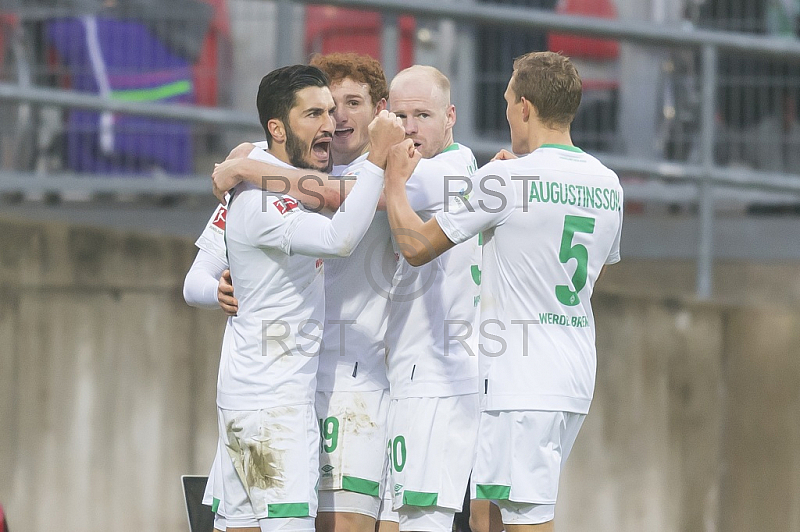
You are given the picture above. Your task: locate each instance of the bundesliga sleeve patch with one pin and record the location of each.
(285, 205)
(218, 221)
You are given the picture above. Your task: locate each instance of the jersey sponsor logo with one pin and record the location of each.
(550, 318)
(219, 217)
(285, 205)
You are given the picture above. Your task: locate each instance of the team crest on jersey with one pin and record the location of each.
(285, 205)
(319, 263)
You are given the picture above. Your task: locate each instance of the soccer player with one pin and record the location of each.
(269, 441)
(352, 390)
(551, 220)
(433, 413)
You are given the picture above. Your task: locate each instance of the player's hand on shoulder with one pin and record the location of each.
(228, 303)
(401, 162)
(224, 177)
(504, 155)
(242, 150)
(385, 131)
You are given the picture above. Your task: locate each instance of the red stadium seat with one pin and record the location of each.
(335, 29)
(7, 23)
(585, 47)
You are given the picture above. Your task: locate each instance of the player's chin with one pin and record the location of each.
(320, 159)
(321, 165)
(424, 151)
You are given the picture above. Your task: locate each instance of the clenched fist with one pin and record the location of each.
(385, 131)
(401, 162)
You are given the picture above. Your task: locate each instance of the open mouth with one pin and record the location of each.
(321, 148)
(343, 133)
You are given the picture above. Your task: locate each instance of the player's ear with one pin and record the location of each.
(527, 108)
(451, 115)
(381, 106)
(277, 130)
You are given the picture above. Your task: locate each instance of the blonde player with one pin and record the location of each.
(551, 220)
(430, 360)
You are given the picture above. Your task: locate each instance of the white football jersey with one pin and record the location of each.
(212, 239)
(430, 340)
(550, 221)
(269, 353)
(356, 302)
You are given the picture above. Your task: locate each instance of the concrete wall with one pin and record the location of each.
(106, 379)
(107, 396)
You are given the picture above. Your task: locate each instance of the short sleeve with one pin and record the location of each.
(613, 255)
(488, 202)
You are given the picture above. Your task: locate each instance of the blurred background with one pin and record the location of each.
(112, 113)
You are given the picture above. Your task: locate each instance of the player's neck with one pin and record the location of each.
(541, 136)
(279, 151)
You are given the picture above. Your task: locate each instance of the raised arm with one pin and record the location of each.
(420, 242)
(294, 231)
(340, 235)
(316, 190)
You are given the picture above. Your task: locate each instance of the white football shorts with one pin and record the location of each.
(519, 460)
(352, 455)
(268, 466)
(432, 449)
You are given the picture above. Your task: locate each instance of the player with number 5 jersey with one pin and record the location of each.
(551, 220)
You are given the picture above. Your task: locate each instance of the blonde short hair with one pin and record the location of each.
(439, 79)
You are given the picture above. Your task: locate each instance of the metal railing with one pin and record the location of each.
(704, 172)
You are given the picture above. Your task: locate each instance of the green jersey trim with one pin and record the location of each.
(215, 505)
(454, 146)
(495, 492)
(360, 485)
(563, 147)
(419, 498)
(287, 509)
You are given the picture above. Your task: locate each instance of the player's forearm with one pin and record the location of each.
(316, 190)
(407, 226)
(340, 235)
(202, 280)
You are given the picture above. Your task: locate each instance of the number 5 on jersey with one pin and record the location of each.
(572, 225)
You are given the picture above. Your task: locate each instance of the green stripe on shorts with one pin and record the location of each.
(289, 509)
(360, 485)
(495, 492)
(419, 498)
(215, 505)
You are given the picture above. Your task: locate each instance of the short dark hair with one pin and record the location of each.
(278, 90)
